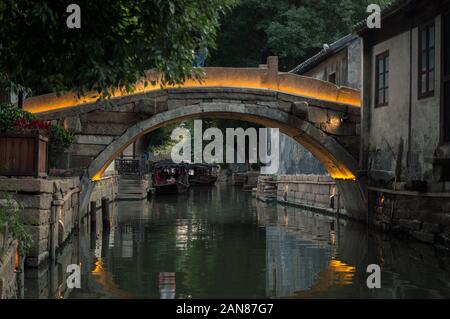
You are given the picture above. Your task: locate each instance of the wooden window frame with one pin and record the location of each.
(427, 93)
(381, 57)
(444, 78)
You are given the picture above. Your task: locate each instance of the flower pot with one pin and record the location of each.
(23, 154)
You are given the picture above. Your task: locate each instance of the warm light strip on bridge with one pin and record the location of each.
(243, 78)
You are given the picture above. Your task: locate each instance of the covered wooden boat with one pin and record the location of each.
(202, 174)
(169, 177)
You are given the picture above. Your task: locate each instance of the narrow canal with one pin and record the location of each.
(219, 242)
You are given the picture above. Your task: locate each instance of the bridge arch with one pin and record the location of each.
(340, 164)
(333, 156)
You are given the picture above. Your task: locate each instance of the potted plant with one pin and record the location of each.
(27, 144)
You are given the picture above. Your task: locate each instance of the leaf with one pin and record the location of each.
(115, 45)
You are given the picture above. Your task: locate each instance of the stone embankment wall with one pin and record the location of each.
(314, 191)
(308, 191)
(51, 209)
(423, 216)
(266, 189)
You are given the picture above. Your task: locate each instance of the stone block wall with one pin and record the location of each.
(51, 208)
(313, 191)
(424, 217)
(266, 189)
(41, 199)
(107, 187)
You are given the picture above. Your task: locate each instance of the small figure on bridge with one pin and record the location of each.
(200, 57)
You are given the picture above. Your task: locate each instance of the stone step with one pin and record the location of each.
(121, 180)
(131, 186)
(123, 188)
(130, 182)
(132, 191)
(131, 196)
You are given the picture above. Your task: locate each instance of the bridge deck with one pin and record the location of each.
(251, 78)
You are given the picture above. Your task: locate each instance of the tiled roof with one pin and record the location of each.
(325, 53)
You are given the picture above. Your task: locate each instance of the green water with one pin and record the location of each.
(219, 242)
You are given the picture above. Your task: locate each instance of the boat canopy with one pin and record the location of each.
(202, 166)
(168, 164)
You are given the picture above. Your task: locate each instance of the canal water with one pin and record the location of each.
(219, 242)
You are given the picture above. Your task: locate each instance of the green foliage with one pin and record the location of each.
(9, 114)
(159, 139)
(59, 141)
(10, 217)
(160, 142)
(292, 29)
(118, 40)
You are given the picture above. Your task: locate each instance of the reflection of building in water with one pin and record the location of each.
(182, 236)
(126, 241)
(293, 264)
(188, 231)
(301, 253)
(167, 285)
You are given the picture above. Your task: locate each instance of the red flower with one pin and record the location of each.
(32, 125)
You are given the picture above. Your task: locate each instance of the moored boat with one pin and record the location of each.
(202, 174)
(169, 177)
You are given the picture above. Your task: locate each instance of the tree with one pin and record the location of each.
(118, 40)
(292, 29)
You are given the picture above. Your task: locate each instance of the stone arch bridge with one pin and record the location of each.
(322, 117)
